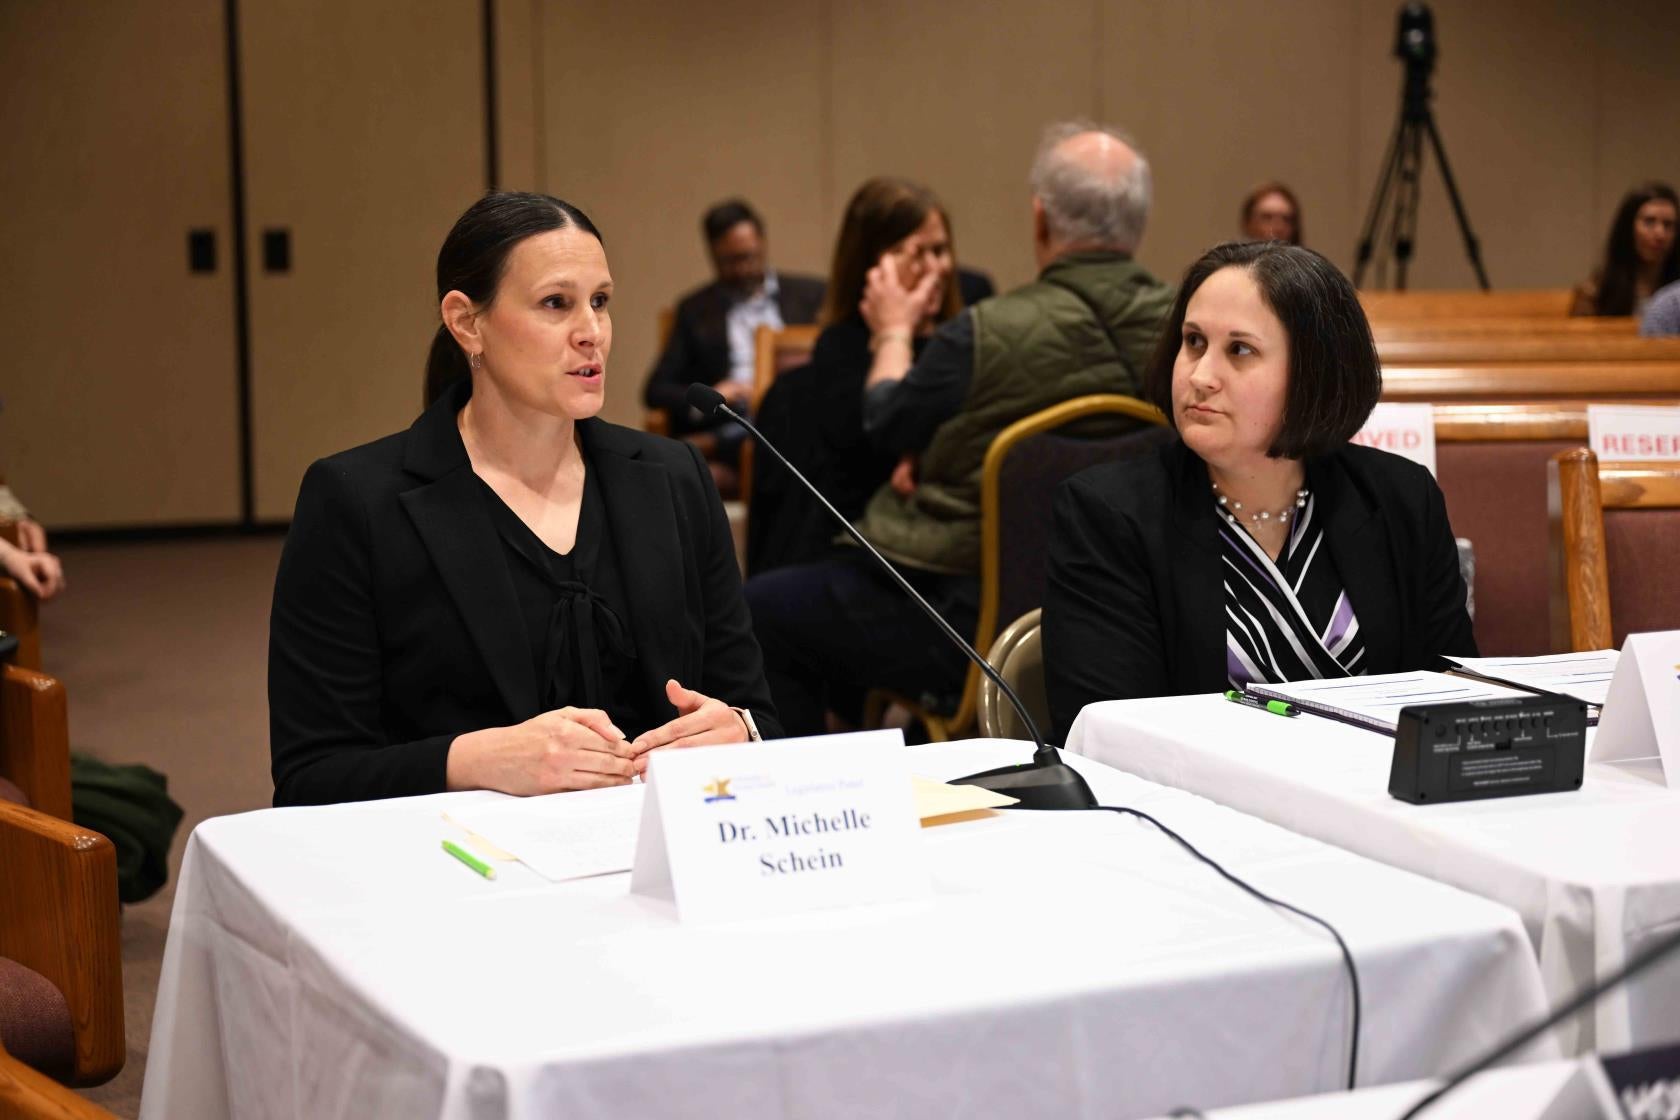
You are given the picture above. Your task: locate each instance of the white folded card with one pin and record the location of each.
(780, 827)
(1634, 431)
(1642, 713)
(1408, 430)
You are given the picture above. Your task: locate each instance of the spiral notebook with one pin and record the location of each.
(1374, 702)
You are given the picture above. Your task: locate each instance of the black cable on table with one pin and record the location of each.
(1347, 955)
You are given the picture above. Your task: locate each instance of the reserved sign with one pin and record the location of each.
(780, 827)
(1408, 430)
(1629, 431)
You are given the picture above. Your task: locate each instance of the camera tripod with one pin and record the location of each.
(1401, 181)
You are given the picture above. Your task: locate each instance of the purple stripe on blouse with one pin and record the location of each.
(1243, 551)
(1235, 670)
(1339, 621)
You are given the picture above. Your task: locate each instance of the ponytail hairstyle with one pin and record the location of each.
(474, 257)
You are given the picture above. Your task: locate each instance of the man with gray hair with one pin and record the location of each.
(1087, 324)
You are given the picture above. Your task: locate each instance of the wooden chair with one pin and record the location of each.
(1454, 349)
(1615, 535)
(27, 1095)
(1546, 302)
(775, 351)
(59, 918)
(35, 739)
(1011, 580)
(1577, 326)
(1018, 656)
(20, 617)
(1571, 383)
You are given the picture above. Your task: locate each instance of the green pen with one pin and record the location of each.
(469, 859)
(1276, 707)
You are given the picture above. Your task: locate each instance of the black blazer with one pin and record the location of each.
(698, 349)
(396, 627)
(1134, 601)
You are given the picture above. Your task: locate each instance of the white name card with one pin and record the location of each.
(1641, 716)
(1631, 431)
(780, 827)
(1408, 430)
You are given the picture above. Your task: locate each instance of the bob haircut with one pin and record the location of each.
(1334, 376)
(883, 212)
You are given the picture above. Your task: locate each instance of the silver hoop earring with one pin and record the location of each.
(476, 361)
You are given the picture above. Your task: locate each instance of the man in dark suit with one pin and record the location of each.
(712, 338)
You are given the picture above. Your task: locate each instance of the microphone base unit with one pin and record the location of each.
(1036, 785)
(1489, 748)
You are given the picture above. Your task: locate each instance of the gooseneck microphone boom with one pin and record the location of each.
(1044, 783)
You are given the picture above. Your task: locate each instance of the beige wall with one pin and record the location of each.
(364, 135)
(644, 114)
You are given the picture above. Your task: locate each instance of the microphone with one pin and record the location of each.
(1044, 783)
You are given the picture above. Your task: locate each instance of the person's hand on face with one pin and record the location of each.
(39, 573)
(701, 721)
(564, 749)
(888, 306)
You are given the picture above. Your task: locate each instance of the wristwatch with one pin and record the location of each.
(752, 728)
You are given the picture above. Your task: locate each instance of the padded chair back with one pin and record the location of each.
(1018, 656)
(59, 918)
(1490, 461)
(1615, 534)
(1032, 464)
(1018, 477)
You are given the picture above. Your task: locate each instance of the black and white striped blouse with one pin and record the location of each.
(1289, 619)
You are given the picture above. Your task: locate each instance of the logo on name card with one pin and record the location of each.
(718, 790)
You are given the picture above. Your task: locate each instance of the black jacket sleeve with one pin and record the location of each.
(326, 736)
(1447, 629)
(1103, 637)
(901, 416)
(734, 665)
(677, 368)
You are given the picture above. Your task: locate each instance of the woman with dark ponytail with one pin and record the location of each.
(512, 594)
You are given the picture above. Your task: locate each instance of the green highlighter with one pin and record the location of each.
(469, 859)
(1276, 707)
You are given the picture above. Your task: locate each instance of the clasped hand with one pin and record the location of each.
(581, 748)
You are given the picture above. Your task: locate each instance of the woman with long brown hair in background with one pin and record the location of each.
(1641, 254)
(899, 232)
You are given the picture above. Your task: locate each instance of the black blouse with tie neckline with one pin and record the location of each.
(574, 607)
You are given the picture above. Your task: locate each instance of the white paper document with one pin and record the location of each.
(1585, 676)
(562, 835)
(1375, 702)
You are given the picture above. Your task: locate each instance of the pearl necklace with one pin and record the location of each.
(1230, 509)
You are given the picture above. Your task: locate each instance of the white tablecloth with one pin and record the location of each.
(1595, 873)
(333, 962)
(1527, 1092)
